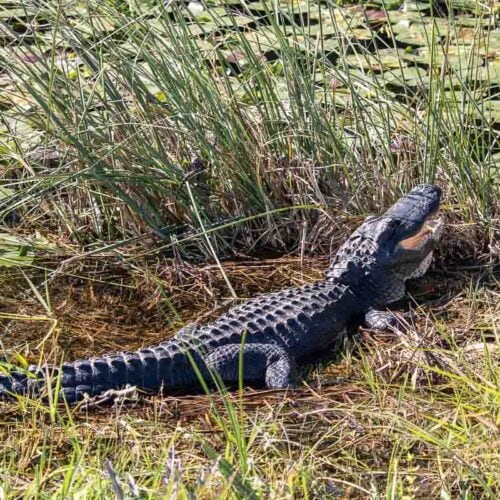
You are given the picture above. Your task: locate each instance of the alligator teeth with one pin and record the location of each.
(433, 224)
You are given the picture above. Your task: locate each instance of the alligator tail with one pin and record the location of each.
(153, 369)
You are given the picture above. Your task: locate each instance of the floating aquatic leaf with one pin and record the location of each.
(210, 15)
(475, 21)
(491, 44)
(412, 6)
(398, 16)
(363, 81)
(474, 6)
(5, 193)
(197, 29)
(94, 26)
(337, 97)
(262, 41)
(489, 110)
(6, 14)
(359, 34)
(346, 19)
(461, 97)
(460, 58)
(490, 72)
(495, 159)
(383, 59)
(443, 24)
(465, 36)
(375, 15)
(406, 77)
(315, 45)
(223, 3)
(387, 4)
(413, 33)
(287, 7)
(208, 24)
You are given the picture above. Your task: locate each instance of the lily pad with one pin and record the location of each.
(262, 41)
(218, 3)
(339, 97)
(208, 15)
(406, 77)
(490, 72)
(7, 14)
(387, 4)
(473, 6)
(337, 25)
(362, 34)
(362, 81)
(412, 6)
(473, 22)
(397, 16)
(310, 44)
(468, 36)
(463, 98)
(495, 159)
(5, 193)
(412, 33)
(489, 110)
(459, 58)
(383, 59)
(284, 6)
(337, 21)
(491, 44)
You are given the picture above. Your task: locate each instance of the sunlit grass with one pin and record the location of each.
(409, 415)
(125, 111)
(123, 137)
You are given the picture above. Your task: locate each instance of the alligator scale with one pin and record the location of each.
(274, 333)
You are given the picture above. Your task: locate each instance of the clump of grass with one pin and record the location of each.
(415, 414)
(123, 101)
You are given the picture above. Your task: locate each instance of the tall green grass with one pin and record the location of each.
(125, 111)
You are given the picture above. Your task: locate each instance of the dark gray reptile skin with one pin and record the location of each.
(281, 330)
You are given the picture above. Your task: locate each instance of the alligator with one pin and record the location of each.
(269, 336)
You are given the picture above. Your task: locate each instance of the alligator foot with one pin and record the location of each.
(110, 397)
(381, 320)
(267, 363)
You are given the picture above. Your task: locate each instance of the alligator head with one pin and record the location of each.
(387, 250)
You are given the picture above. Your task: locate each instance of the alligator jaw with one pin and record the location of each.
(431, 228)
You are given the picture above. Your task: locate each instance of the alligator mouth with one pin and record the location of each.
(431, 229)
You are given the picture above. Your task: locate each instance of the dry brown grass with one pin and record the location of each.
(413, 413)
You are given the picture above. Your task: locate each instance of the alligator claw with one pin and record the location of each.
(380, 320)
(112, 396)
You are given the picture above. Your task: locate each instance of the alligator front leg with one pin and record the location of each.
(261, 363)
(380, 320)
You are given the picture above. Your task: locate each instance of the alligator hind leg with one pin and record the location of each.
(261, 363)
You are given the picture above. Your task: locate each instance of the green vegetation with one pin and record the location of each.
(144, 145)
